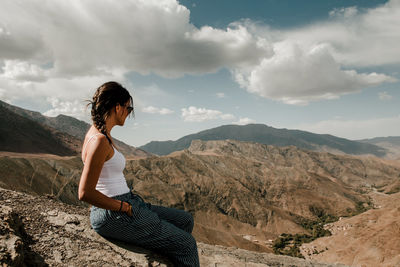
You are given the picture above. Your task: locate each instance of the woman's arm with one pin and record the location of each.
(96, 154)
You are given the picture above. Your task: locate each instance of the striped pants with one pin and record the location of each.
(165, 230)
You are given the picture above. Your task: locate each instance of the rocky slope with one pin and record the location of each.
(256, 191)
(264, 134)
(369, 239)
(241, 194)
(19, 134)
(39, 231)
(27, 131)
(390, 143)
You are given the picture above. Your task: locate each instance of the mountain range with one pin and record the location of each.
(390, 143)
(245, 194)
(26, 131)
(264, 134)
(241, 194)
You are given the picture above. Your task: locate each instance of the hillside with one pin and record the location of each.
(241, 194)
(260, 191)
(70, 132)
(368, 239)
(390, 143)
(39, 231)
(19, 134)
(264, 134)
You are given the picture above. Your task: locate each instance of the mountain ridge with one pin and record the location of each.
(264, 134)
(71, 132)
(241, 194)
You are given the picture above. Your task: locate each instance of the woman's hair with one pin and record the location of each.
(107, 96)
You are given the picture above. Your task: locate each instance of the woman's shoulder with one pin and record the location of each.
(95, 140)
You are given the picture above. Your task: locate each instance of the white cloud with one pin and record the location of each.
(220, 95)
(344, 12)
(63, 88)
(320, 61)
(94, 36)
(194, 114)
(155, 110)
(355, 129)
(75, 109)
(244, 121)
(367, 38)
(384, 96)
(297, 75)
(48, 53)
(22, 70)
(94, 39)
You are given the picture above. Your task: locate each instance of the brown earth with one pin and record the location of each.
(241, 194)
(268, 189)
(368, 239)
(40, 231)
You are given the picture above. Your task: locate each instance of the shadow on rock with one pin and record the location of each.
(152, 257)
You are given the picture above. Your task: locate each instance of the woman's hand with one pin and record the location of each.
(126, 207)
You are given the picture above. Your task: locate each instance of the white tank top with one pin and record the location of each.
(112, 181)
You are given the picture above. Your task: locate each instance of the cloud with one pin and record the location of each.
(220, 95)
(297, 75)
(94, 39)
(356, 129)
(155, 110)
(91, 37)
(47, 53)
(70, 108)
(193, 114)
(384, 96)
(23, 71)
(80, 87)
(366, 38)
(244, 121)
(322, 61)
(344, 12)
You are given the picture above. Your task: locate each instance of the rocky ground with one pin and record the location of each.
(371, 238)
(41, 231)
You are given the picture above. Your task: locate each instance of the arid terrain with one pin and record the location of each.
(41, 231)
(368, 239)
(243, 195)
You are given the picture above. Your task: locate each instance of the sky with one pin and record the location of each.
(329, 67)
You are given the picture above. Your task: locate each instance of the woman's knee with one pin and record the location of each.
(189, 222)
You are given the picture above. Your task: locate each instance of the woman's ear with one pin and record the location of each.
(118, 108)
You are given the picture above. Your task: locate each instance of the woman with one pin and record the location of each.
(116, 212)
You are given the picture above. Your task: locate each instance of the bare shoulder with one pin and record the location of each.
(100, 142)
(99, 148)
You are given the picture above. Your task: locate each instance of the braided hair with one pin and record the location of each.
(107, 96)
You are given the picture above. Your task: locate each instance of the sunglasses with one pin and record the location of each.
(130, 109)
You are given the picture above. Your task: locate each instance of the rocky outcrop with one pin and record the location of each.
(11, 244)
(41, 231)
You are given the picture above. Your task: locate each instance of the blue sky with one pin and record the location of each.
(321, 66)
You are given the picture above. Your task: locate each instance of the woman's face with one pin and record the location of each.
(123, 112)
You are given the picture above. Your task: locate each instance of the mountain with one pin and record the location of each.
(390, 143)
(272, 189)
(368, 239)
(264, 134)
(20, 134)
(241, 194)
(40, 231)
(72, 132)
